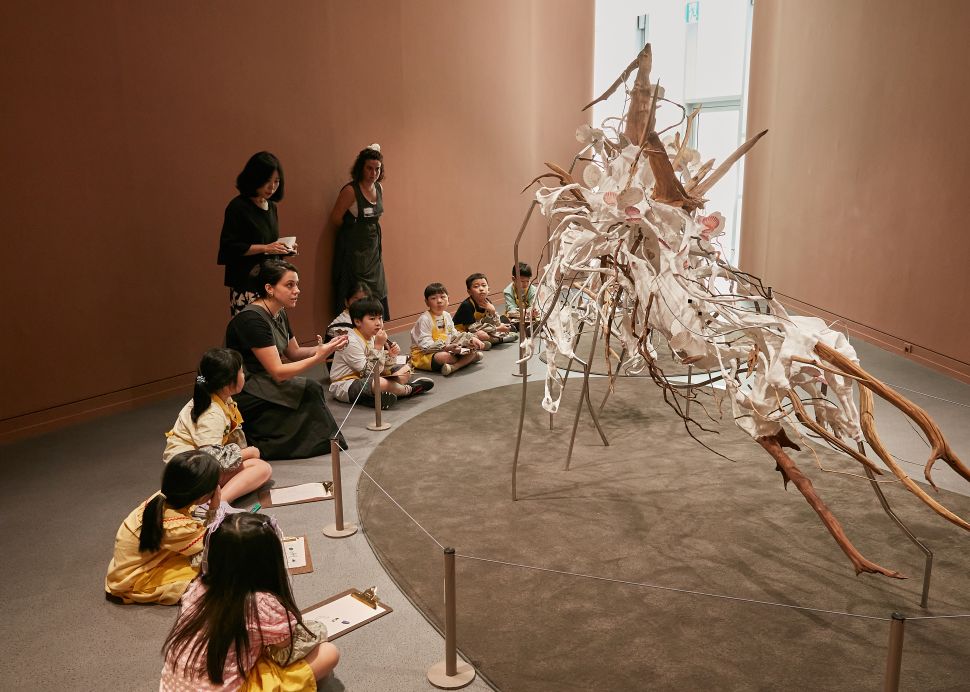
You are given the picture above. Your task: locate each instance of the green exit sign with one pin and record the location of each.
(692, 12)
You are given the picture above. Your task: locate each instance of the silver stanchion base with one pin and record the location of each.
(331, 530)
(463, 676)
(382, 426)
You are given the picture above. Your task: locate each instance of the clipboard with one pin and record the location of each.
(266, 496)
(308, 562)
(341, 627)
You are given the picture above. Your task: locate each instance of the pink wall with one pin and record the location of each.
(126, 124)
(855, 202)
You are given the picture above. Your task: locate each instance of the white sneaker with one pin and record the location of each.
(447, 369)
(479, 357)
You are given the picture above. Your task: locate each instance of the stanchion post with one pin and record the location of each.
(894, 658)
(450, 674)
(376, 380)
(338, 529)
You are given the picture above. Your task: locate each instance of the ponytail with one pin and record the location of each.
(187, 477)
(151, 525)
(219, 367)
(201, 399)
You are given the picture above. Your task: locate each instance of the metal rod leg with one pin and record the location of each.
(927, 553)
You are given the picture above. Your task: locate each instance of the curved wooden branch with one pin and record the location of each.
(774, 445)
(872, 437)
(643, 60)
(805, 420)
(703, 186)
(939, 447)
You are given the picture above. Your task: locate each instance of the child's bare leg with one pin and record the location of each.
(444, 358)
(255, 472)
(394, 386)
(465, 360)
(323, 659)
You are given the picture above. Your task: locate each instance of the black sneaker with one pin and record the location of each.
(420, 385)
(387, 400)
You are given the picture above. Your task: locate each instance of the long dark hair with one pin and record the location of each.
(187, 477)
(218, 368)
(365, 155)
(354, 288)
(257, 172)
(245, 557)
(268, 272)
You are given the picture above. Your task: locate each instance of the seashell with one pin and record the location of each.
(632, 213)
(629, 197)
(592, 175)
(712, 223)
(609, 197)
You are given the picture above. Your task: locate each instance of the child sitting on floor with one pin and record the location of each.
(368, 350)
(212, 422)
(477, 315)
(521, 286)
(342, 323)
(435, 343)
(239, 626)
(152, 560)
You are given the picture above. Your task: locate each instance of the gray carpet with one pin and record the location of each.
(665, 361)
(68, 491)
(657, 508)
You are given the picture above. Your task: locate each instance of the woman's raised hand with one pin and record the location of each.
(335, 344)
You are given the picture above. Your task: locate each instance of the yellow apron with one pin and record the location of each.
(419, 358)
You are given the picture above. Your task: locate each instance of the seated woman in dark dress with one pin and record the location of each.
(285, 413)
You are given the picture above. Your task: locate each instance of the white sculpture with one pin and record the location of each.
(629, 253)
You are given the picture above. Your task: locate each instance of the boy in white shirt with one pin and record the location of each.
(368, 349)
(435, 343)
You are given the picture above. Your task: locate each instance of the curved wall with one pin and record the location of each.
(126, 123)
(854, 203)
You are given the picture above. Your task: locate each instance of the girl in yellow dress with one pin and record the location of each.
(211, 421)
(155, 545)
(239, 628)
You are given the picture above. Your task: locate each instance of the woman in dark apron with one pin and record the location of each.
(285, 413)
(357, 214)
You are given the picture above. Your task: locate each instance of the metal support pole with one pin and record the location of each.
(894, 658)
(927, 553)
(584, 396)
(450, 674)
(337, 529)
(376, 380)
(690, 372)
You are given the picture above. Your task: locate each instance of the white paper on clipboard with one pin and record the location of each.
(294, 550)
(298, 493)
(343, 614)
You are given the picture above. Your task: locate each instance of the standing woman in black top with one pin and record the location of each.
(251, 229)
(357, 215)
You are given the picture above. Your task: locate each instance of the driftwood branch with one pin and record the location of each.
(775, 445)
